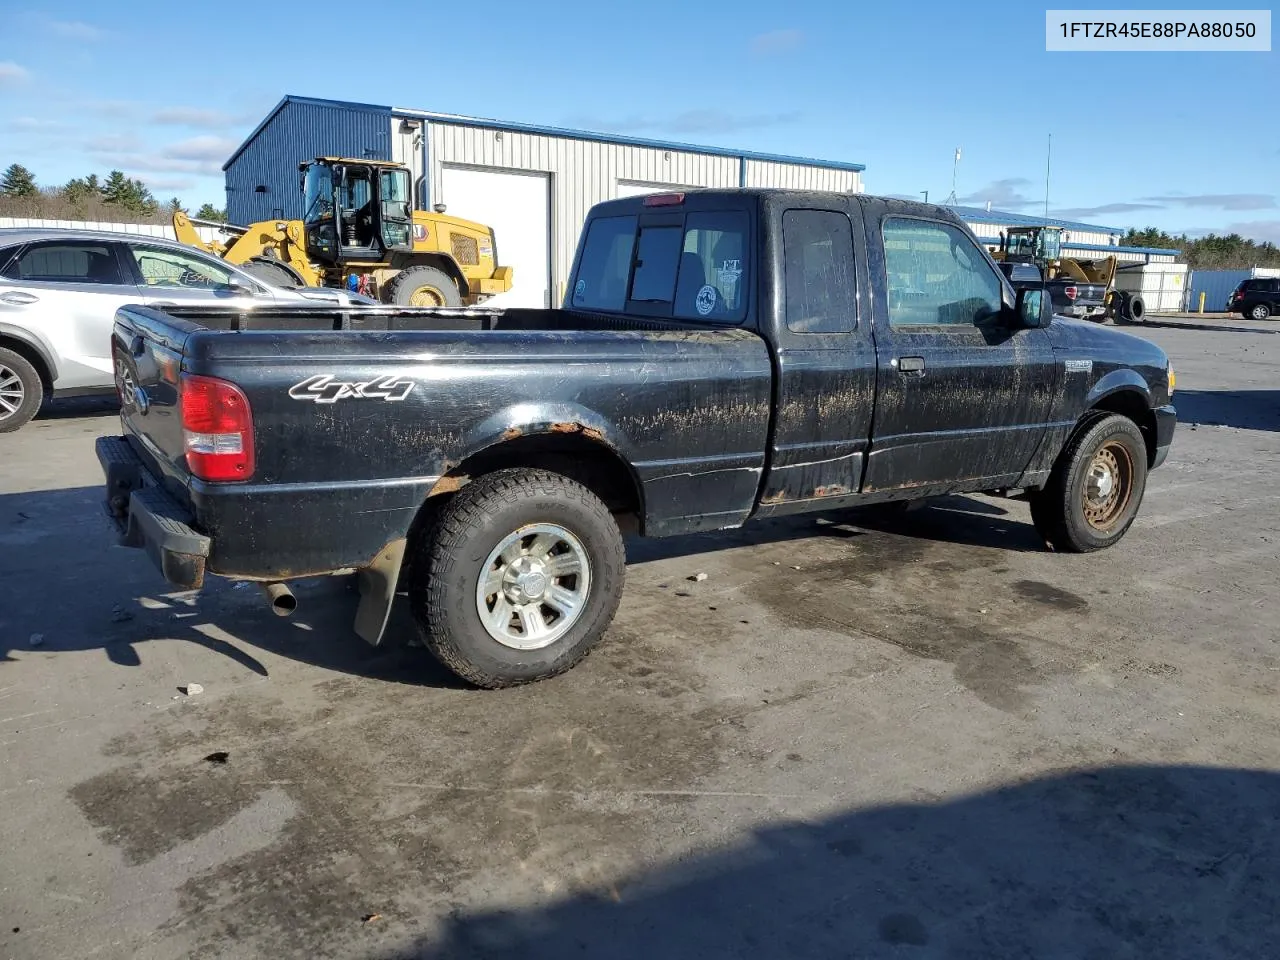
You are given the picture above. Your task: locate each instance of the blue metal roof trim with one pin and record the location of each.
(1069, 245)
(624, 140)
(982, 215)
(290, 98)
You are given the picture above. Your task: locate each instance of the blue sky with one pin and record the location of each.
(166, 91)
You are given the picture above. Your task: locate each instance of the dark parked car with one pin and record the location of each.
(723, 355)
(1257, 299)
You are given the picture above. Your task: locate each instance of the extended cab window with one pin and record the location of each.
(817, 246)
(66, 263)
(605, 264)
(698, 268)
(936, 276)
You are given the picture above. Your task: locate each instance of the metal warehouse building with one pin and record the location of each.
(533, 185)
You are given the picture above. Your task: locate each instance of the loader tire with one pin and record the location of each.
(423, 287)
(273, 273)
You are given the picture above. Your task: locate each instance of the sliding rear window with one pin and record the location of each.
(690, 269)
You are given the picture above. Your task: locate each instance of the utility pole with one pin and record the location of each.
(955, 165)
(926, 195)
(1047, 157)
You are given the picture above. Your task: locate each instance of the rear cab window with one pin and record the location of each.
(684, 265)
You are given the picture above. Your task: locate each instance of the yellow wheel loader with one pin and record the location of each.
(1079, 288)
(361, 231)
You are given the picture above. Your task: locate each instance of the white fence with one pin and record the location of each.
(138, 229)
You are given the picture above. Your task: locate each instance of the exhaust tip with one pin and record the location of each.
(281, 598)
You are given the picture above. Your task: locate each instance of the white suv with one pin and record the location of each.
(59, 292)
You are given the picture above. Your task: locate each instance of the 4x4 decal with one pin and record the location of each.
(325, 389)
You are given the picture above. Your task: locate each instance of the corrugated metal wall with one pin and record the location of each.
(794, 176)
(583, 173)
(1216, 285)
(299, 131)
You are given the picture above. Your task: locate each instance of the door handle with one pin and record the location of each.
(18, 298)
(910, 366)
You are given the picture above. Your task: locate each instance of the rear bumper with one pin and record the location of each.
(1166, 421)
(149, 518)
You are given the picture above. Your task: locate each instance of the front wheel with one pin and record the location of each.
(1096, 486)
(423, 287)
(519, 579)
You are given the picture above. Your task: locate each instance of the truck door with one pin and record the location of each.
(826, 364)
(962, 394)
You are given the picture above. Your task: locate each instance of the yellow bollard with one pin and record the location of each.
(1202, 301)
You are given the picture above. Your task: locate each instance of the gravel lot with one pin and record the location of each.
(861, 735)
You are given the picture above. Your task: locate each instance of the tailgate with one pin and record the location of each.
(146, 352)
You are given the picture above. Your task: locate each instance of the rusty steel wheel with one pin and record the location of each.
(1096, 486)
(1108, 484)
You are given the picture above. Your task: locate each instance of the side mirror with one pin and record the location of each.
(1033, 308)
(238, 289)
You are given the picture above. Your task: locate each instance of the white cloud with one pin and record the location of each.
(114, 143)
(777, 41)
(157, 164)
(1003, 194)
(1219, 201)
(165, 183)
(12, 74)
(35, 123)
(205, 148)
(76, 30)
(194, 117)
(1255, 230)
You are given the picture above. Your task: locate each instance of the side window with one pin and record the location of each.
(935, 276)
(817, 249)
(67, 263)
(657, 258)
(161, 267)
(605, 264)
(713, 268)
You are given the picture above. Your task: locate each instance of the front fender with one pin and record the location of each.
(1115, 382)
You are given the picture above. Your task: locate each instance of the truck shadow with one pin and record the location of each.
(966, 521)
(1246, 409)
(1176, 324)
(73, 407)
(1146, 861)
(66, 586)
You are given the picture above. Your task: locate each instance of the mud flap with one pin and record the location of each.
(378, 591)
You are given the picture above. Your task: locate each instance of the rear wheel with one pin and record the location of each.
(423, 287)
(1096, 486)
(1259, 311)
(21, 391)
(273, 272)
(519, 579)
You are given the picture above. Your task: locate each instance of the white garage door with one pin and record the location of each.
(517, 206)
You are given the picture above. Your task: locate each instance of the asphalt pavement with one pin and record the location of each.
(863, 734)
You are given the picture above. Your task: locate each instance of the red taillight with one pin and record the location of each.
(217, 429)
(664, 200)
(1070, 292)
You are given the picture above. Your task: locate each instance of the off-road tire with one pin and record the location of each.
(448, 562)
(1058, 510)
(273, 272)
(1135, 310)
(408, 281)
(32, 390)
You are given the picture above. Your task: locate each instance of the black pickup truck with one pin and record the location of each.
(722, 355)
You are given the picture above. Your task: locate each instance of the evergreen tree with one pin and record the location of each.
(18, 181)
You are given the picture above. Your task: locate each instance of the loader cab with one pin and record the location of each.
(1038, 245)
(356, 210)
